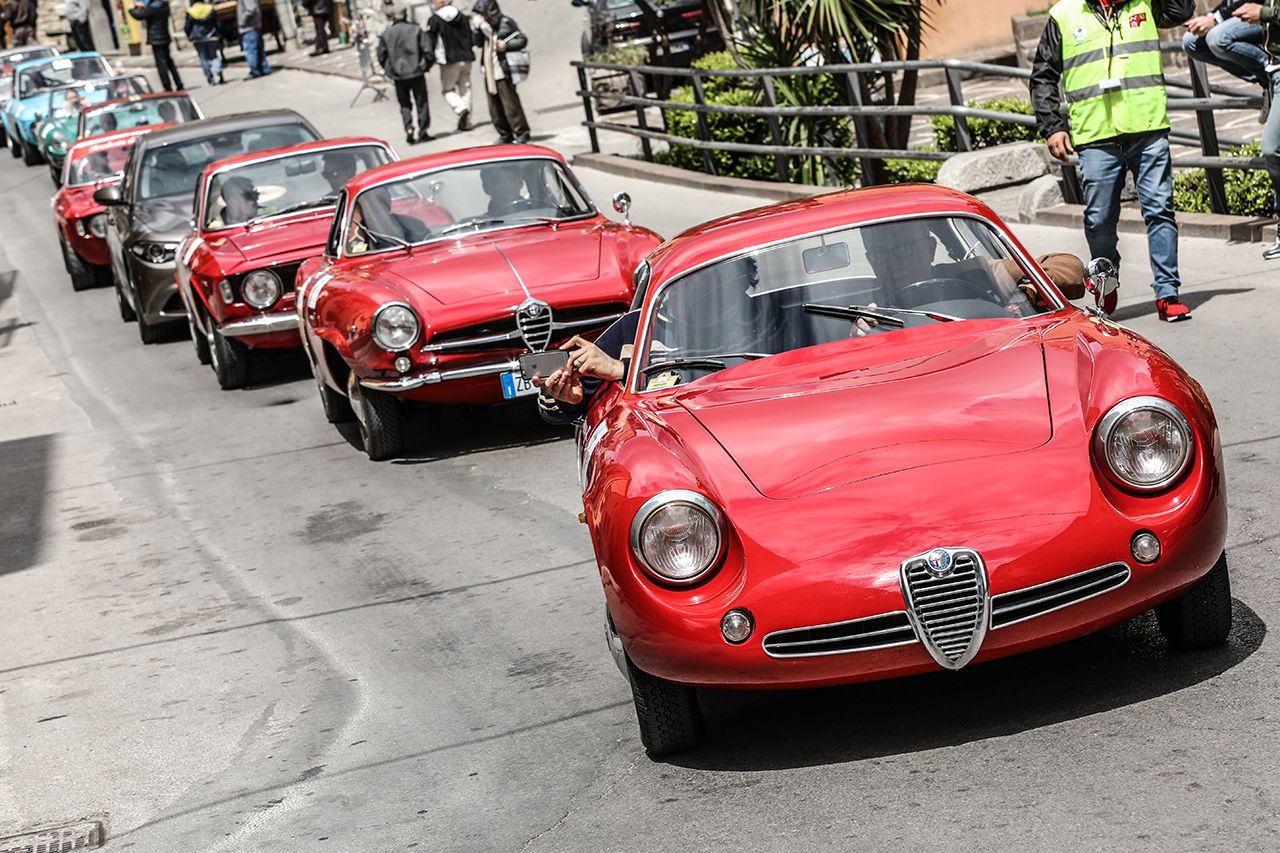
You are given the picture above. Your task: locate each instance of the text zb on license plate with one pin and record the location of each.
(514, 385)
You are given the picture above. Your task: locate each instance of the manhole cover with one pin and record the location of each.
(56, 839)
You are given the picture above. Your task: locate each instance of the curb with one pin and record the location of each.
(1229, 229)
(626, 167)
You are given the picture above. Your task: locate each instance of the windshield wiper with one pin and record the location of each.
(293, 208)
(470, 223)
(715, 362)
(375, 235)
(879, 314)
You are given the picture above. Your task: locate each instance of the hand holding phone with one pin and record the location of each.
(542, 364)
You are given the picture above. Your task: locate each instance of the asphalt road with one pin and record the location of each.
(224, 629)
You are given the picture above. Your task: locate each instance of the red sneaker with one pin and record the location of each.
(1172, 310)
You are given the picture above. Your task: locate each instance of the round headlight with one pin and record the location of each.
(1145, 442)
(395, 327)
(678, 536)
(261, 288)
(98, 225)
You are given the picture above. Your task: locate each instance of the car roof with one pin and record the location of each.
(4, 54)
(212, 126)
(741, 232)
(456, 157)
(299, 148)
(130, 99)
(107, 141)
(45, 60)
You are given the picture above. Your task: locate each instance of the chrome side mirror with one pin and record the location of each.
(622, 204)
(1102, 279)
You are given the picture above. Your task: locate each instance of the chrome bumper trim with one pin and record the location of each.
(514, 335)
(435, 377)
(260, 325)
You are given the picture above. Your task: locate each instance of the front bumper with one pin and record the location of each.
(263, 324)
(156, 291)
(416, 381)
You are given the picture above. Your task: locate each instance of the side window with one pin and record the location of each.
(640, 278)
(335, 228)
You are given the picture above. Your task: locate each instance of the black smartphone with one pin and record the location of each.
(542, 363)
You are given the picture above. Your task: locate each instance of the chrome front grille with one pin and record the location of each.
(505, 332)
(946, 594)
(857, 635)
(533, 319)
(1009, 608)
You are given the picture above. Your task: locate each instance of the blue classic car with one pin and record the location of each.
(8, 60)
(31, 80)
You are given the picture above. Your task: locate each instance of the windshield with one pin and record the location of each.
(10, 60)
(868, 280)
(461, 201)
(59, 72)
(137, 113)
(292, 182)
(175, 168)
(102, 165)
(69, 101)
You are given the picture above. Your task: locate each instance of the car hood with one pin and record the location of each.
(473, 269)
(866, 408)
(167, 218)
(276, 241)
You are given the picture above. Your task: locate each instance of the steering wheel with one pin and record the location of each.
(972, 290)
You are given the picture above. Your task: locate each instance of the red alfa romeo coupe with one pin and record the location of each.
(864, 436)
(82, 222)
(258, 217)
(441, 270)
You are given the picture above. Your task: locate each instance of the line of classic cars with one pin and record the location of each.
(857, 436)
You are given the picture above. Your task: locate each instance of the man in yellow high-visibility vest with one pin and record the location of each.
(1103, 57)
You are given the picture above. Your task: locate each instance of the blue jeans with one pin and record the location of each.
(1271, 138)
(210, 61)
(1103, 167)
(251, 44)
(1234, 45)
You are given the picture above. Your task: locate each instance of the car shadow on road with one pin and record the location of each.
(1120, 666)
(1192, 299)
(434, 433)
(24, 487)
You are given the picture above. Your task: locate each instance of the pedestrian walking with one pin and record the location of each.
(321, 11)
(22, 21)
(77, 14)
(201, 27)
(450, 32)
(496, 34)
(1267, 16)
(156, 15)
(405, 54)
(249, 22)
(1104, 55)
(1219, 38)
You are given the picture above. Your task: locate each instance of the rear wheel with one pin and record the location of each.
(1201, 616)
(83, 275)
(669, 717)
(230, 359)
(378, 414)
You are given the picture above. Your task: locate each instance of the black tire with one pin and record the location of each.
(14, 149)
(56, 176)
(669, 717)
(148, 333)
(1201, 616)
(231, 361)
(83, 275)
(31, 155)
(127, 314)
(198, 338)
(381, 427)
(337, 408)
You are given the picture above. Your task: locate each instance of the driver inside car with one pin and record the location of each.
(239, 200)
(504, 184)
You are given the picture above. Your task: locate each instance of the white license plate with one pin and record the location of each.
(681, 46)
(514, 385)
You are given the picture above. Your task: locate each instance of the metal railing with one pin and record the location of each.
(1195, 94)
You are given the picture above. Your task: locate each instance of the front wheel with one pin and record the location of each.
(1201, 616)
(337, 408)
(56, 176)
(198, 338)
(669, 717)
(83, 275)
(31, 154)
(378, 415)
(127, 314)
(230, 360)
(14, 148)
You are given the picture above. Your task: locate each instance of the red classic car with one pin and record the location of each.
(864, 435)
(82, 222)
(441, 270)
(257, 218)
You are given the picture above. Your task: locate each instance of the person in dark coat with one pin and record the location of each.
(22, 19)
(77, 13)
(321, 11)
(156, 15)
(496, 34)
(405, 54)
(201, 27)
(450, 32)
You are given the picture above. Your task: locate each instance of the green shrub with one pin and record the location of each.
(1249, 191)
(986, 132)
(722, 128)
(627, 54)
(912, 171)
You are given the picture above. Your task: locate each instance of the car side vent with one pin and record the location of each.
(533, 319)
(857, 635)
(1009, 608)
(946, 594)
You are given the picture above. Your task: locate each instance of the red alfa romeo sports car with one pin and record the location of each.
(258, 217)
(441, 270)
(863, 436)
(82, 222)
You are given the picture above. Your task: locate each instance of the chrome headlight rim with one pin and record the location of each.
(676, 496)
(391, 346)
(277, 289)
(1122, 410)
(167, 252)
(97, 225)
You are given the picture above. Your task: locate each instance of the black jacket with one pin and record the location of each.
(322, 8)
(404, 50)
(505, 30)
(156, 14)
(1046, 69)
(454, 35)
